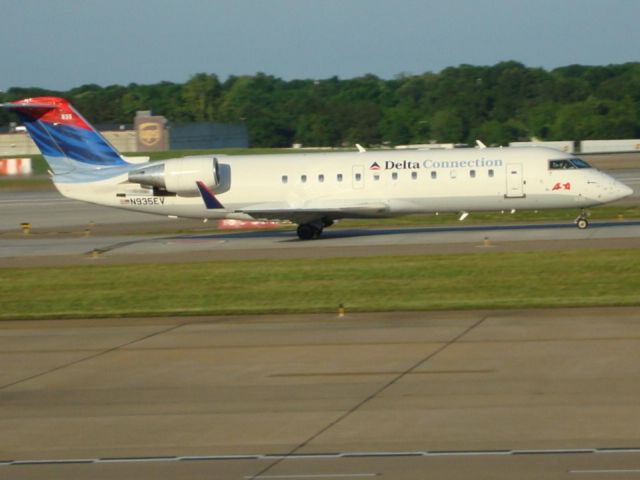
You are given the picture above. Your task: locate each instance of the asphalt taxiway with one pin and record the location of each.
(45, 250)
(459, 395)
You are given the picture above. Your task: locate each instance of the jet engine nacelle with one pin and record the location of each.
(179, 175)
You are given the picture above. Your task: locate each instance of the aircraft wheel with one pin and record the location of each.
(307, 232)
(582, 223)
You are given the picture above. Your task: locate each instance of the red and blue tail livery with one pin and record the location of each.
(63, 136)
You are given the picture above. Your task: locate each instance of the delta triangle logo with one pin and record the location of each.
(374, 166)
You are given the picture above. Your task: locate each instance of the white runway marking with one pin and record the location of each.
(554, 451)
(332, 455)
(577, 472)
(135, 460)
(48, 462)
(618, 450)
(328, 475)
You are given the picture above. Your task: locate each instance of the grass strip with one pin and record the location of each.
(469, 281)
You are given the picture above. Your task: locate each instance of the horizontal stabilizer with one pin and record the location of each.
(24, 105)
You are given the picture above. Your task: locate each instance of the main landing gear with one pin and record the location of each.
(308, 231)
(582, 222)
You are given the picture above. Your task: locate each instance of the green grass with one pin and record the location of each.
(26, 183)
(481, 280)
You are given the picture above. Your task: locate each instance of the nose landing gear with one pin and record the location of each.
(582, 222)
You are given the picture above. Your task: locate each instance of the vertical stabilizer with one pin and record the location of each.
(67, 141)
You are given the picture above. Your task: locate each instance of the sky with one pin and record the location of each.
(61, 44)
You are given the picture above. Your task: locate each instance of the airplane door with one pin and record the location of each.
(514, 181)
(358, 176)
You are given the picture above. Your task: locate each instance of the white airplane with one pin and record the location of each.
(311, 190)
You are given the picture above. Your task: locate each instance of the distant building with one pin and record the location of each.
(154, 134)
(206, 135)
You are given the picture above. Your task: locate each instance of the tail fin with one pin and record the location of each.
(67, 141)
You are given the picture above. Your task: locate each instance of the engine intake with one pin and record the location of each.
(179, 175)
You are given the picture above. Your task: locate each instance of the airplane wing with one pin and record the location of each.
(305, 212)
(311, 212)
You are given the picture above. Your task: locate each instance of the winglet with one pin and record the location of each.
(360, 148)
(210, 201)
(480, 144)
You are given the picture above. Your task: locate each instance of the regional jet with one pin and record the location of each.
(312, 190)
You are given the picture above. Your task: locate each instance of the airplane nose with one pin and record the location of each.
(621, 190)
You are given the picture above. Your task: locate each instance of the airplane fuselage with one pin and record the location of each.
(400, 182)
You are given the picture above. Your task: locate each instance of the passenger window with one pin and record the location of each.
(491, 173)
(472, 173)
(339, 177)
(303, 179)
(414, 175)
(376, 177)
(285, 179)
(434, 175)
(358, 177)
(394, 175)
(321, 178)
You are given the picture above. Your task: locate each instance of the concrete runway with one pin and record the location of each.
(457, 395)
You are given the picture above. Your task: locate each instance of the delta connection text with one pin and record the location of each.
(432, 164)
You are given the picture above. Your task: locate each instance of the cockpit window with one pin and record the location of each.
(563, 164)
(568, 163)
(578, 162)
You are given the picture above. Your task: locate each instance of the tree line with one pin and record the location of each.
(497, 104)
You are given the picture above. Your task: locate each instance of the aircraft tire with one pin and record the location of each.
(582, 223)
(307, 232)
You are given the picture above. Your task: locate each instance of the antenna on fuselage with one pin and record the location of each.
(480, 144)
(360, 148)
